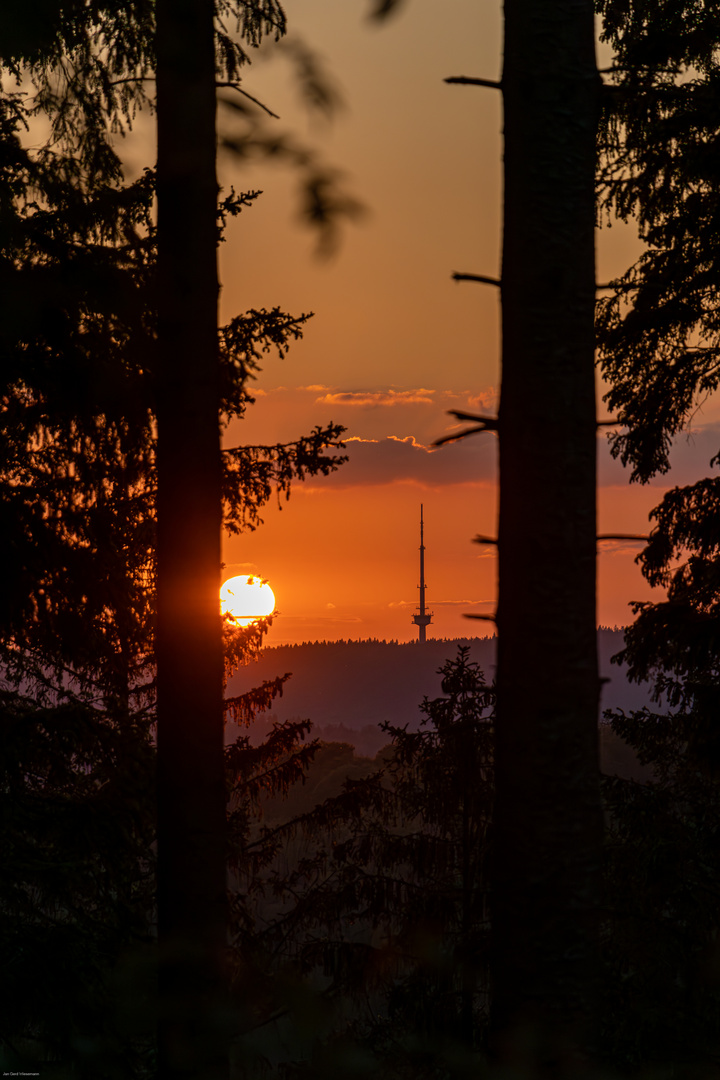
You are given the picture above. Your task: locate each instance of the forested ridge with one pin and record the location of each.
(357, 683)
(476, 898)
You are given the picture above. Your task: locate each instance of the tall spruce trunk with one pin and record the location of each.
(191, 792)
(548, 818)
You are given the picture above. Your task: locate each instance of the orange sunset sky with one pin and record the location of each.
(395, 342)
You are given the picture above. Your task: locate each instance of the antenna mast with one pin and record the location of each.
(423, 618)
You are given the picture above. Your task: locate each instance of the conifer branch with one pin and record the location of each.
(133, 79)
(624, 285)
(256, 101)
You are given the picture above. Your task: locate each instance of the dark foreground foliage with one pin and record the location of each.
(658, 336)
(663, 874)
(369, 952)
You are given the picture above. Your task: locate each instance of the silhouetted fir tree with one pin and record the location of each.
(78, 889)
(547, 831)
(663, 880)
(77, 542)
(658, 339)
(442, 778)
(658, 331)
(381, 900)
(78, 488)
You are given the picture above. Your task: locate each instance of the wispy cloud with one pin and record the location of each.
(410, 440)
(440, 603)
(620, 547)
(309, 621)
(486, 399)
(240, 568)
(373, 398)
(461, 603)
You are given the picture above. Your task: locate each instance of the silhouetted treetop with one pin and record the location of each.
(659, 334)
(77, 276)
(90, 64)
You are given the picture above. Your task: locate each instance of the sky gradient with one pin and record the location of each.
(394, 342)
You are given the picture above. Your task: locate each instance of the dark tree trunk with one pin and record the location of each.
(548, 819)
(191, 793)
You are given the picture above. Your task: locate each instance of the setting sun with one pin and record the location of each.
(246, 598)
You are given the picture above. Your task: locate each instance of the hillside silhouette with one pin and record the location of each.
(348, 688)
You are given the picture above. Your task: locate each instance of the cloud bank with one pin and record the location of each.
(404, 459)
(396, 459)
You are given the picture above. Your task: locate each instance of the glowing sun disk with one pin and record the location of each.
(246, 598)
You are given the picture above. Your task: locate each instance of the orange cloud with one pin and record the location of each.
(370, 398)
(487, 400)
(412, 441)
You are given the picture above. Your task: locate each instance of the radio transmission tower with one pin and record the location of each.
(422, 618)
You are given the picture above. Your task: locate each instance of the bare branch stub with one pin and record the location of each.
(466, 80)
(483, 423)
(623, 536)
(482, 278)
(480, 539)
(484, 618)
(459, 435)
(490, 423)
